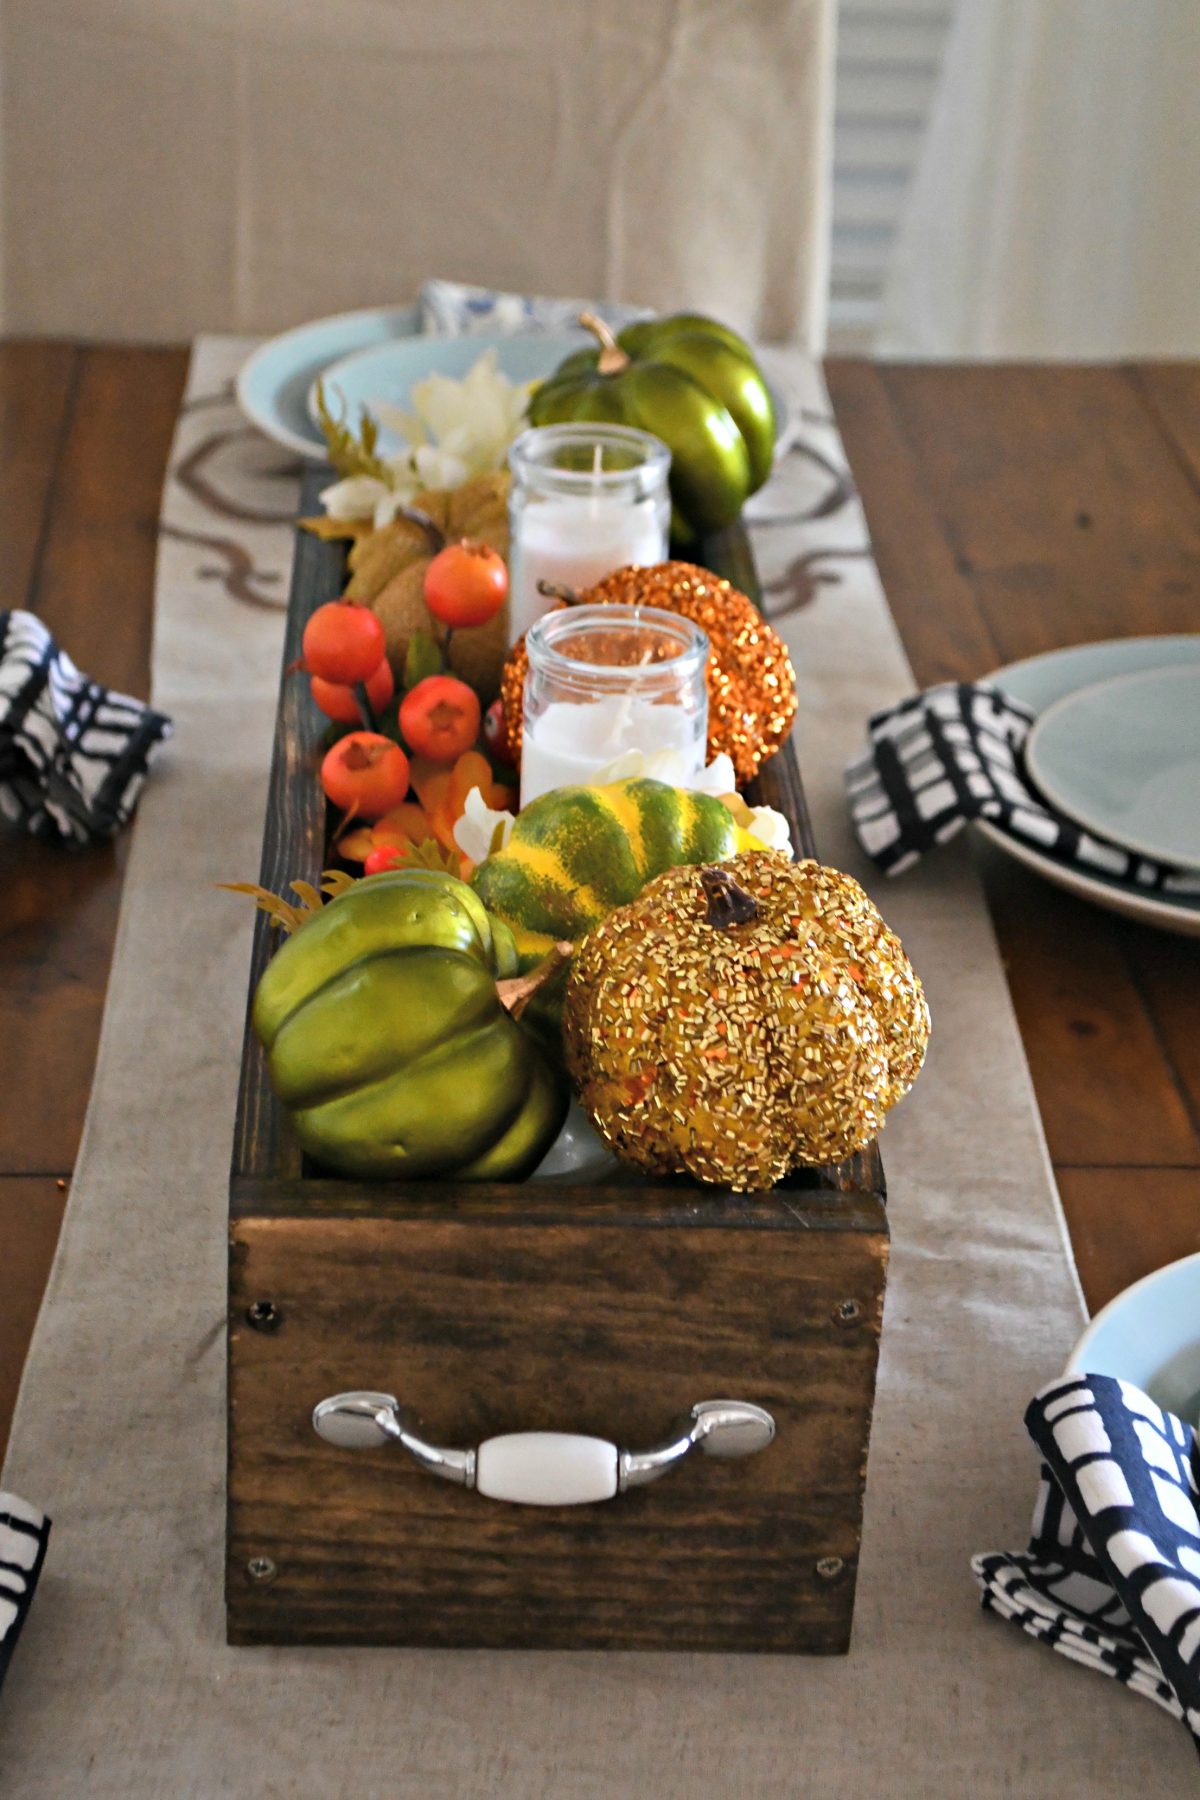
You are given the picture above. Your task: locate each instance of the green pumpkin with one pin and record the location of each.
(694, 384)
(388, 1043)
(579, 852)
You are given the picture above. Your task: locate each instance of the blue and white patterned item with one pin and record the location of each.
(1111, 1577)
(23, 1535)
(73, 754)
(953, 754)
(452, 309)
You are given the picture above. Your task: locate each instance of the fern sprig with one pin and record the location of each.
(288, 915)
(349, 453)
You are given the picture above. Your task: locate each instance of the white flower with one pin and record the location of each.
(457, 429)
(482, 828)
(354, 498)
(771, 829)
(437, 466)
(405, 425)
(718, 778)
(477, 417)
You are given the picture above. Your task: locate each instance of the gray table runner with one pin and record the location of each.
(122, 1684)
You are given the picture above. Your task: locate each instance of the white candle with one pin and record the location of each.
(575, 543)
(566, 744)
(606, 679)
(586, 499)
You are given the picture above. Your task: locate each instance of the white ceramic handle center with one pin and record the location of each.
(546, 1468)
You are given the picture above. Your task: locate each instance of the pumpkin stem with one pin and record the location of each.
(728, 904)
(612, 358)
(433, 531)
(557, 590)
(518, 990)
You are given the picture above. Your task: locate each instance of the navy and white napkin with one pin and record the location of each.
(453, 309)
(1111, 1577)
(23, 1535)
(954, 753)
(73, 754)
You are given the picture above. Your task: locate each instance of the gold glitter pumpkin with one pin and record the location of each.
(751, 683)
(739, 1019)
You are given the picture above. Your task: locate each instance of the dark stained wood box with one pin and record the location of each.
(536, 1306)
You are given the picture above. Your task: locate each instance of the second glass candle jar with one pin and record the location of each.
(606, 679)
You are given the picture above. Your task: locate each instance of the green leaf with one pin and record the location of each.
(422, 658)
(350, 455)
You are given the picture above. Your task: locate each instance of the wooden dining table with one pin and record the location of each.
(1014, 509)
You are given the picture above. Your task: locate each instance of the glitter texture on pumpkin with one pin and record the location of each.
(749, 675)
(735, 1054)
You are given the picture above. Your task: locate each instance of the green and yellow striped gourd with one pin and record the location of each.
(578, 852)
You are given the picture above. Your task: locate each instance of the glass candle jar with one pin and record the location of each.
(585, 500)
(605, 679)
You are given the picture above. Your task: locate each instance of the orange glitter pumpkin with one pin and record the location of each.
(750, 679)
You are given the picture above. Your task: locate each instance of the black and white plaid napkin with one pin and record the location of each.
(23, 1535)
(1111, 1577)
(73, 754)
(954, 753)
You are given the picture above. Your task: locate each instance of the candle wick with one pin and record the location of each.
(625, 705)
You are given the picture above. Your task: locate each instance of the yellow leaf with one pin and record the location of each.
(322, 525)
(356, 846)
(337, 881)
(309, 895)
(283, 913)
(431, 855)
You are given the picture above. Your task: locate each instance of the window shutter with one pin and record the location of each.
(888, 60)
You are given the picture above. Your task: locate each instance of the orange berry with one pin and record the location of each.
(466, 584)
(343, 642)
(365, 772)
(339, 702)
(439, 718)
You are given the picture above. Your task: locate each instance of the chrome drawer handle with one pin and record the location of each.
(545, 1468)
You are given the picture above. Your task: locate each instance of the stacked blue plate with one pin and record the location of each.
(1116, 747)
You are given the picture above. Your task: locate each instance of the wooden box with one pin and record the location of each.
(535, 1306)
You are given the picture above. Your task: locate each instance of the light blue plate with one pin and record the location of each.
(1122, 758)
(1040, 681)
(274, 383)
(1150, 1335)
(389, 371)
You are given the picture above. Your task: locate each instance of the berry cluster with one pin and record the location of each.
(367, 773)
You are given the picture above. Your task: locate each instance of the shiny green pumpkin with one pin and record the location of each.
(692, 382)
(388, 1043)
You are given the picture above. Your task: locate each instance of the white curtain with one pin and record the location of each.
(174, 165)
(1056, 206)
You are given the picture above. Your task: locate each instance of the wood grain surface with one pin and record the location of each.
(483, 1328)
(985, 488)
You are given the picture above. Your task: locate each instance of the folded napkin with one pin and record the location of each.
(1111, 1577)
(452, 309)
(73, 754)
(953, 754)
(23, 1535)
